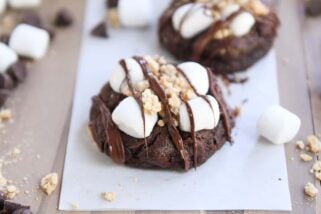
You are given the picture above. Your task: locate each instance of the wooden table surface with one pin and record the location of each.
(41, 106)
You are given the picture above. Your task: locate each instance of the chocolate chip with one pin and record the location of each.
(100, 30)
(5, 38)
(6, 82)
(313, 7)
(4, 94)
(18, 71)
(32, 18)
(63, 18)
(112, 3)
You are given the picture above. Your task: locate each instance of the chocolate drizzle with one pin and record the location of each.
(173, 131)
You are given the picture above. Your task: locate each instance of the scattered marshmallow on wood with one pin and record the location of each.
(3, 6)
(278, 125)
(205, 116)
(22, 4)
(128, 118)
(29, 41)
(7, 57)
(136, 13)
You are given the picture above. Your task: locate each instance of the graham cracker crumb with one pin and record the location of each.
(16, 151)
(161, 123)
(314, 144)
(310, 190)
(318, 175)
(300, 145)
(306, 157)
(317, 166)
(49, 183)
(11, 191)
(109, 196)
(151, 103)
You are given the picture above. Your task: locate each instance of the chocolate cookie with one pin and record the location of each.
(227, 35)
(158, 115)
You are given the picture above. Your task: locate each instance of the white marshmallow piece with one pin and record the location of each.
(205, 116)
(7, 57)
(128, 117)
(29, 41)
(278, 125)
(118, 76)
(191, 19)
(136, 13)
(3, 6)
(22, 4)
(242, 24)
(230, 9)
(197, 75)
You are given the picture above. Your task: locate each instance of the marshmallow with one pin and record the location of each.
(19, 4)
(3, 5)
(197, 75)
(191, 19)
(135, 13)
(205, 116)
(7, 57)
(230, 9)
(128, 117)
(118, 76)
(29, 41)
(242, 24)
(278, 125)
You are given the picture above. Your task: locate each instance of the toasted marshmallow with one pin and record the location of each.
(206, 116)
(191, 19)
(278, 125)
(3, 6)
(197, 75)
(21, 4)
(135, 13)
(230, 9)
(128, 118)
(242, 24)
(7, 57)
(118, 76)
(29, 41)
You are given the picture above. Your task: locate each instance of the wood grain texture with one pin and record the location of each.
(42, 105)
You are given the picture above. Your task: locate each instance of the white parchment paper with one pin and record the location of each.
(250, 174)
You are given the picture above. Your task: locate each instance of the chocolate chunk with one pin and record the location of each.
(32, 18)
(4, 94)
(313, 7)
(100, 30)
(5, 38)
(6, 82)
(18, 72)
(111, 3)
(63, 18)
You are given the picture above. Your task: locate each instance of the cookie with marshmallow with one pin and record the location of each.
(154, 114)
(228, 36)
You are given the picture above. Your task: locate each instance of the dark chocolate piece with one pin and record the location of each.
(4, 94)
(63, 18)
(111, 3)
(4, 38)
(18, 72)
(313, 7)
(100, 30)
(6, 82)
(32, 18)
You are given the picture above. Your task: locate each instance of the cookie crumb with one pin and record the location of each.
(310, 190)
(16, 151)
(109, 196)
(318, 175)
(314, 144)
(306, 157)
(11, 191)
(300, 145)
(161, 123)
(49, 183)
(5, 114)
(317, 166)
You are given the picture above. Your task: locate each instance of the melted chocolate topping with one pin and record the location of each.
(158, 90)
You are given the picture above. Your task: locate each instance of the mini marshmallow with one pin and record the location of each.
(7, 57)
(197, 75)
(29, 41)
(118, 76)
(128, 117)
(205, 116)
(242, 24)
(135, 13)
(230, 9)
(3, 6)
(191, 19)
(278, 125)
(21, 4)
